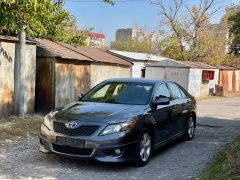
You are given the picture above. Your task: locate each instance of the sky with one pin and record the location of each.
(106, 19)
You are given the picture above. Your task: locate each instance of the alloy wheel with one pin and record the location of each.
(191, 127)
(145, 147)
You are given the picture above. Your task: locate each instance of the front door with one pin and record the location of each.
(162, 115)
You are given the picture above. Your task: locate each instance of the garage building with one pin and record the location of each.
(196, 77)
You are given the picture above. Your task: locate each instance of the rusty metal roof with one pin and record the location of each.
(226, 67)
(60, 51)
(14, 39)
(96, 54)
(102, 56)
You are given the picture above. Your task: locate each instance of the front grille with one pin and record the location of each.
(85, 130)
(72, 150)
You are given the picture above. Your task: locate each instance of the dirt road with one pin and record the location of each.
(218, 122)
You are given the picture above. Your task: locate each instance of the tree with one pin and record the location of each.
(142, 42)
(234, 29)
(189, 33)
(39, 18)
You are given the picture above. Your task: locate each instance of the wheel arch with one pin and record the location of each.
(193, 114)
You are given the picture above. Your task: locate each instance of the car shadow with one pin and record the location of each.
(203, 122)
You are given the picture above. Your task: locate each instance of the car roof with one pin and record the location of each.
(136, 80)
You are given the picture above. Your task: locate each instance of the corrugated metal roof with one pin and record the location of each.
(96, 54)
(138, 56)
(60, 51)
(182, 64)
(102, 56)
(225, 67)
(198, 65)
(14, 39)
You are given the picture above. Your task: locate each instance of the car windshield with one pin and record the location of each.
(120, 93)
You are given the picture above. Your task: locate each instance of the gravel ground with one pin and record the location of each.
(218, 122)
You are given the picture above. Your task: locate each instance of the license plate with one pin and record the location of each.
(70, 141)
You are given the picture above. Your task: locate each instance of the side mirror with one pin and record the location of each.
(162, 101)
(80, 96)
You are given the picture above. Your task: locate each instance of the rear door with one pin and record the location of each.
(187, 107)
(180, 112)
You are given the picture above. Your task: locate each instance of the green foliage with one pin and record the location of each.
(112, 2)
(144, 45)
(170, 48)
(226, 164)
(40, 18)
(234, 21)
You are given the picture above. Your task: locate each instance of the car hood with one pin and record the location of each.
(100, 112)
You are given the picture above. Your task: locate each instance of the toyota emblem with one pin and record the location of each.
(71, 125)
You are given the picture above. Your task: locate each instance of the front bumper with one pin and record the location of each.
(100, 148)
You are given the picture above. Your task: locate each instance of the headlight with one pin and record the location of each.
(119, 127)
(47, 122)
(48, 119)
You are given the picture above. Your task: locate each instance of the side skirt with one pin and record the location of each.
(171, 139)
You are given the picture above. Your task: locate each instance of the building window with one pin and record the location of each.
(207, 75)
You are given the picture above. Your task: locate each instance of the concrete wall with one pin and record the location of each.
(198, 87)
(136, 68)
(30, 77)
(8, 57)
(104, 71)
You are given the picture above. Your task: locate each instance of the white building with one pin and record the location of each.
(139, 60)
(132, 33)
(197, 78)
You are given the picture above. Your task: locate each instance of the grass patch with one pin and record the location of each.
(19, 127)
(226, 164)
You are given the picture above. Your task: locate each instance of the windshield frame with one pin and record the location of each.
(128, 82)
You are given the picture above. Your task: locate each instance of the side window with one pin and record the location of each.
(184, 95)
(162, 91)
(175, 91)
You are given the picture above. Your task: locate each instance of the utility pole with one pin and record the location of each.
(20, 75)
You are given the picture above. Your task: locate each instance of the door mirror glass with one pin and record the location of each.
(162, 101)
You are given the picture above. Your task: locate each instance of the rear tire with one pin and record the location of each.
(144, 149)
(190, 129)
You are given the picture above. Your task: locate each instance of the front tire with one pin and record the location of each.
(190, 129)
(144, 149)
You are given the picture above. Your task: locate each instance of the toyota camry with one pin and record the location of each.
(120, 120)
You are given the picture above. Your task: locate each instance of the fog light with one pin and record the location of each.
(117, 151)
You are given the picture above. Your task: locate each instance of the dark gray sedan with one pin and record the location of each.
(120, 120)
